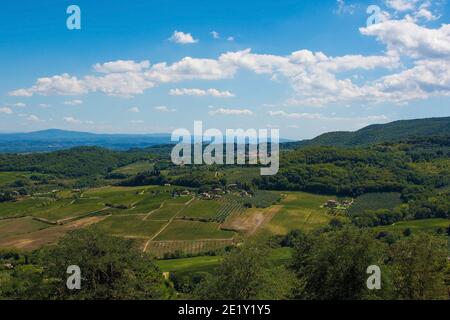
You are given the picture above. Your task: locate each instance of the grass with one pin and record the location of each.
(130, 226)
(189, 266)
(63, 209)
(301, 211)
(23, 207)
(193, 230)
(167, 212)
(207, 209)
(427, 225)
(13, 227)
(193, 247)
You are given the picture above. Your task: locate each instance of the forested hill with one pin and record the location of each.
(378, 133)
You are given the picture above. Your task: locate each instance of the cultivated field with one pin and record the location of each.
(301, 211)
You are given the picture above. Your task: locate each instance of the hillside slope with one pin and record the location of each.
(383, 133)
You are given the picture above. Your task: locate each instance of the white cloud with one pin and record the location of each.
(230, 38)
(315, 78)
(295, 115)
(201, 93)
(121, 66)
(19, 105)
(72, 120)
(57, 85)
(182, 38)
(401, 5)
(404, 37)
(232, 112)
(44, 105)
(215, 34)
(6, 110)
(163, 109)
(75, 102)
(134, 110)
(33, 118)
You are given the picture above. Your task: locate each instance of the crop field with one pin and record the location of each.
(301, 211)
(130, 226)
(167, 211)
(193, 230)
(375, 201)
(159, 248)
(201, 209)
(65, 209)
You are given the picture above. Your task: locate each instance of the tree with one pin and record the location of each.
(333, 265)
(418, 266)
(246, 274)
(111, 268)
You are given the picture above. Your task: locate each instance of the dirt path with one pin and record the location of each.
(251, 222)
(148, 214)
(167, 224)
(37, 239)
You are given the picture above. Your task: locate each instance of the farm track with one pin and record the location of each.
(168, 223)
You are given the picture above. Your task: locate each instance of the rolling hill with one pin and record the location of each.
(377, 133)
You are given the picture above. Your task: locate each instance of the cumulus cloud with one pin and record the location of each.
(201, 93)
(215, 34)
(121, 66)
(72, 120)
(403, 37)
(19, 105)
(182, 38)
(315, 78)
(6, 110)
(134, 110)
(163, 109)
(33, 118)
(231, 112)
(75, 102)
(295, 115)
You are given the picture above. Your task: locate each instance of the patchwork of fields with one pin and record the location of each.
(162, 222)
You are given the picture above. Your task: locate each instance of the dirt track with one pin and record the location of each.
(37, 239)
(249, 223)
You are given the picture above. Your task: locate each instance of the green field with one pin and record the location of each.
(188, 266)
(427, 225)
(167, 212)
(13, 227)
(132, 226)
(193, 230)
(206, 209)
(301, 211)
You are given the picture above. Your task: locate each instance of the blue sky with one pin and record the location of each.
(305, 67)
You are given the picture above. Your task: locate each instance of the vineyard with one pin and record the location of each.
(195, 247)
(229, 206)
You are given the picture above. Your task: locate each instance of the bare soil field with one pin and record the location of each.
(37, 239)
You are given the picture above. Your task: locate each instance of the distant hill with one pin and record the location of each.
(381, 133)
(54, 139)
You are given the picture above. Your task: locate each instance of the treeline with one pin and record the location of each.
(329, 264)
(73, 163)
